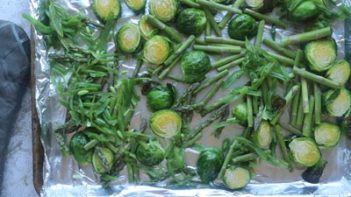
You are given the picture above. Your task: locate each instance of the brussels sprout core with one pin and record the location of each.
(128, 38)
(107, 9)
(321, 54)
(156, 50)
(340, 72)
(195, 65)
(327, 135)
(191, 21)
(236, 177)
(304, 151)
(102, 160)
(166, 123)
(164, 10)
(150, 154)
(339, 105)
(242, 26)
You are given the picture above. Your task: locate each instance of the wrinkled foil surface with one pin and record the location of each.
(63, 176)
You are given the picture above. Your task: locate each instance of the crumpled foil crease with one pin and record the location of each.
(63, 177)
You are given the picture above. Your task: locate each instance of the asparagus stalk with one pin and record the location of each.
(290, 128)
(218, 49)
(250, 118)
(220, 40)
(244, 158)
(259, 36)
(138, 66)
(212, 92)
(166, 71)
(210, 81)
(306, 36)
(266, 18)
(255, 104)
(199, 40)
(295, 108)
(304, 92)
(316, 78)
(218, 6)
(180, 50)
(317, 104)
(227, 159)
(282, 59)
(307, 125)
(208, 29)
(230, 65)
(212, 22)
(173, 34)
(227, 60)
(190, 3)
(275, 46)
(280, 138)
(300, 115)
(229, 15)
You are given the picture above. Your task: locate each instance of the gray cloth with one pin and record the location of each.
(14, 78)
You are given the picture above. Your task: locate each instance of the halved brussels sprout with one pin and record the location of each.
(102, 160)
(240, 113)
(156, 50)
(107, 9)
(135, 5)
(254, 4)
(164, 10)
(340, 72)
(236, 177)
(150, 153)
(195, 65)
(337, 102)
(327, 134)
(128, 38)
(263, 136)
(160, 97)
(321, 54)
(192, 21)
(166, 123)
(76, 145)
(146, 29)
(302, 10)
(209, 164)
(242, 26)
(305, 151)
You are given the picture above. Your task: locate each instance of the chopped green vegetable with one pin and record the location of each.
(107, 10)
(161, 97)
(164, 10)
(337, 102)
(236, 177)
(321, 54)
(327, 134)
(301, 10)
(150, 153)
(263, 136)
(146, 29)
(76, 145)
(135, 5)
(156, 50)
(191, 21)
(209, 164)
(242, 26)
(128, 38)
(102, 160)
(305, 151)
(340, 72)
(240, 113)
(166, 123)
(195, 65)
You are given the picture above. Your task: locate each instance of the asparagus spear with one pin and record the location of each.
(259, 36)
(282, 59)
(227, 60)
(280, 138)
(250, 118)
(304, 93)
(212, 22)
(180, 50)
(210, 81)
(317, 104)
(229, 15)
(307, 125)
(316, 78)
(220, 40)
(244, 158)
(166, 71)
(275, 46)
(218, 49)
(218, 6)
(230, 65)
(190, 3)
(306, 36)
(173, 34)
(266, 18)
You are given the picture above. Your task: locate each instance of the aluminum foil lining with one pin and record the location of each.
(63, 176)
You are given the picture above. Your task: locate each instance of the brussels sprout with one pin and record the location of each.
(102, 160)
(107, 9)
(223, 1)
(209, 164)
(192, 21)
(240, 113)
(161, 97)
(164, 10)
(321, 54)
(128, 38)
(340, 72)
(236, 177)
(156, 50)
(150, 154)
(146, 29)
(302, 10)
(135, 5)
(166, 123)
(337, 102)
(327, 134)
(314, 173)
(77, 143)
(263, 136)
(305, 151)
(242, 26)
(254, 4)
(195, 65)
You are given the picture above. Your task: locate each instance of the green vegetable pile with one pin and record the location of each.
(299, 75)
